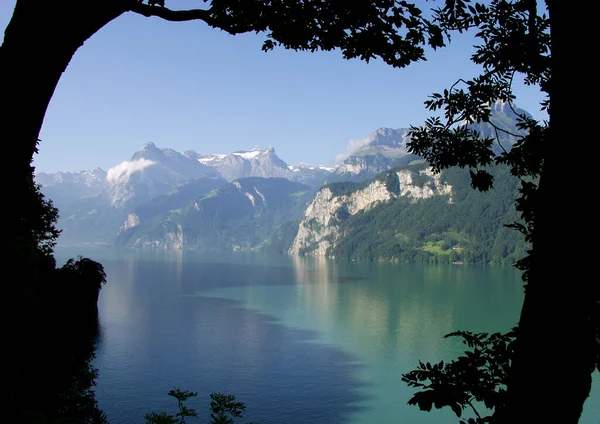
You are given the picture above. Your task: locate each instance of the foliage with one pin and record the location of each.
(180, 197)
(183, 411)
(55, 308)
(38, 221)
(477, 378)
(83, 276)
(281, 238)
(392, 183)
(345, 188)
(514, 40)
(224, 409)
(227, 219)
(469, 229)
(395, 31)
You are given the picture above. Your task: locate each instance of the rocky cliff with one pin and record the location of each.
(319, 229)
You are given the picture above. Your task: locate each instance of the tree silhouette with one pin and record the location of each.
(557, 329)
(224, 409)
(516, 40)
(479, 377)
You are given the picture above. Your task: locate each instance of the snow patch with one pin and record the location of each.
(251, 197)
(247, 155)
(211, 158)
(261, 196)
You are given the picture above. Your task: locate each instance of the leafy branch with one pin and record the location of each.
(224, 409)
(480, 375)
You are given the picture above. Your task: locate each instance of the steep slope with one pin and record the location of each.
(239, 215)
(94, 204)
(69, 186)
(149, 173)
(259, 162)
(387, 148)
(411, 214)
(178, 198)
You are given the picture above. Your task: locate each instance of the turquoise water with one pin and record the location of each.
(299, 340)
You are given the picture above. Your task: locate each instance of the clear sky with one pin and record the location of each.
(189, 87)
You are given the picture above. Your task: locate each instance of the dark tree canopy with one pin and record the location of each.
(518, 37)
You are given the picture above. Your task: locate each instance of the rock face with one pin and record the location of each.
(132, 221)
(319, 230)
(433, 188)
(172, 240)
(373, 154)
(262, 163)
(66, 187)
(368, 164)
(238, 215)
(149, 173)
(95, 204)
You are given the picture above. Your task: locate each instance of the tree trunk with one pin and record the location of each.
(39, 42)
(555, 348)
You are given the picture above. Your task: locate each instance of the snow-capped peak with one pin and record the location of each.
(253, 153)
(206, 160)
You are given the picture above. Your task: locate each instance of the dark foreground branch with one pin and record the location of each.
(169, 14)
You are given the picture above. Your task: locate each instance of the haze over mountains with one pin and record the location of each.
(248, 199)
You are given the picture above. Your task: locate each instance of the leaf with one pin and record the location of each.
(457, 409)
(481, 180)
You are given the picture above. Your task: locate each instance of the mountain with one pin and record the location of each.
(369, 156)
(96, 205)
(263, 163)
(312, 175)
(93, 204)
(149, 173)
(409, 213)
(387, 148)
(239, 215)
(72, 185)
(505, 117)
(179, 197)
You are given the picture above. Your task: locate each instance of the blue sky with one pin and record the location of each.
(189, 87)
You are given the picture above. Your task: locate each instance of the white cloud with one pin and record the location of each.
(125, 169)
(352, 147)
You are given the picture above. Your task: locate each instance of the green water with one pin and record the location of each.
(298, 339)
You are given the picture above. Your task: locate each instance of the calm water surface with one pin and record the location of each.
(299, 340)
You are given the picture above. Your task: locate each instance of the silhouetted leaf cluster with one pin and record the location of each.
(224, 409)
(477, 378)
(54, 322)
(515, 40)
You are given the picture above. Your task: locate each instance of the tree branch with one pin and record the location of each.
(498, 138)
(473, 408)
(497, 128)
(169, 14)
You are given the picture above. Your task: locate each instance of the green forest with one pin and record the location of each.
(470, 228)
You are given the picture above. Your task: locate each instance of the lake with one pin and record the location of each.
(298, 340)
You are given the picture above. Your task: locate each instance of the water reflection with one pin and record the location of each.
(404, 308)
(299, 339)
(158, 335)
(389, 316)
